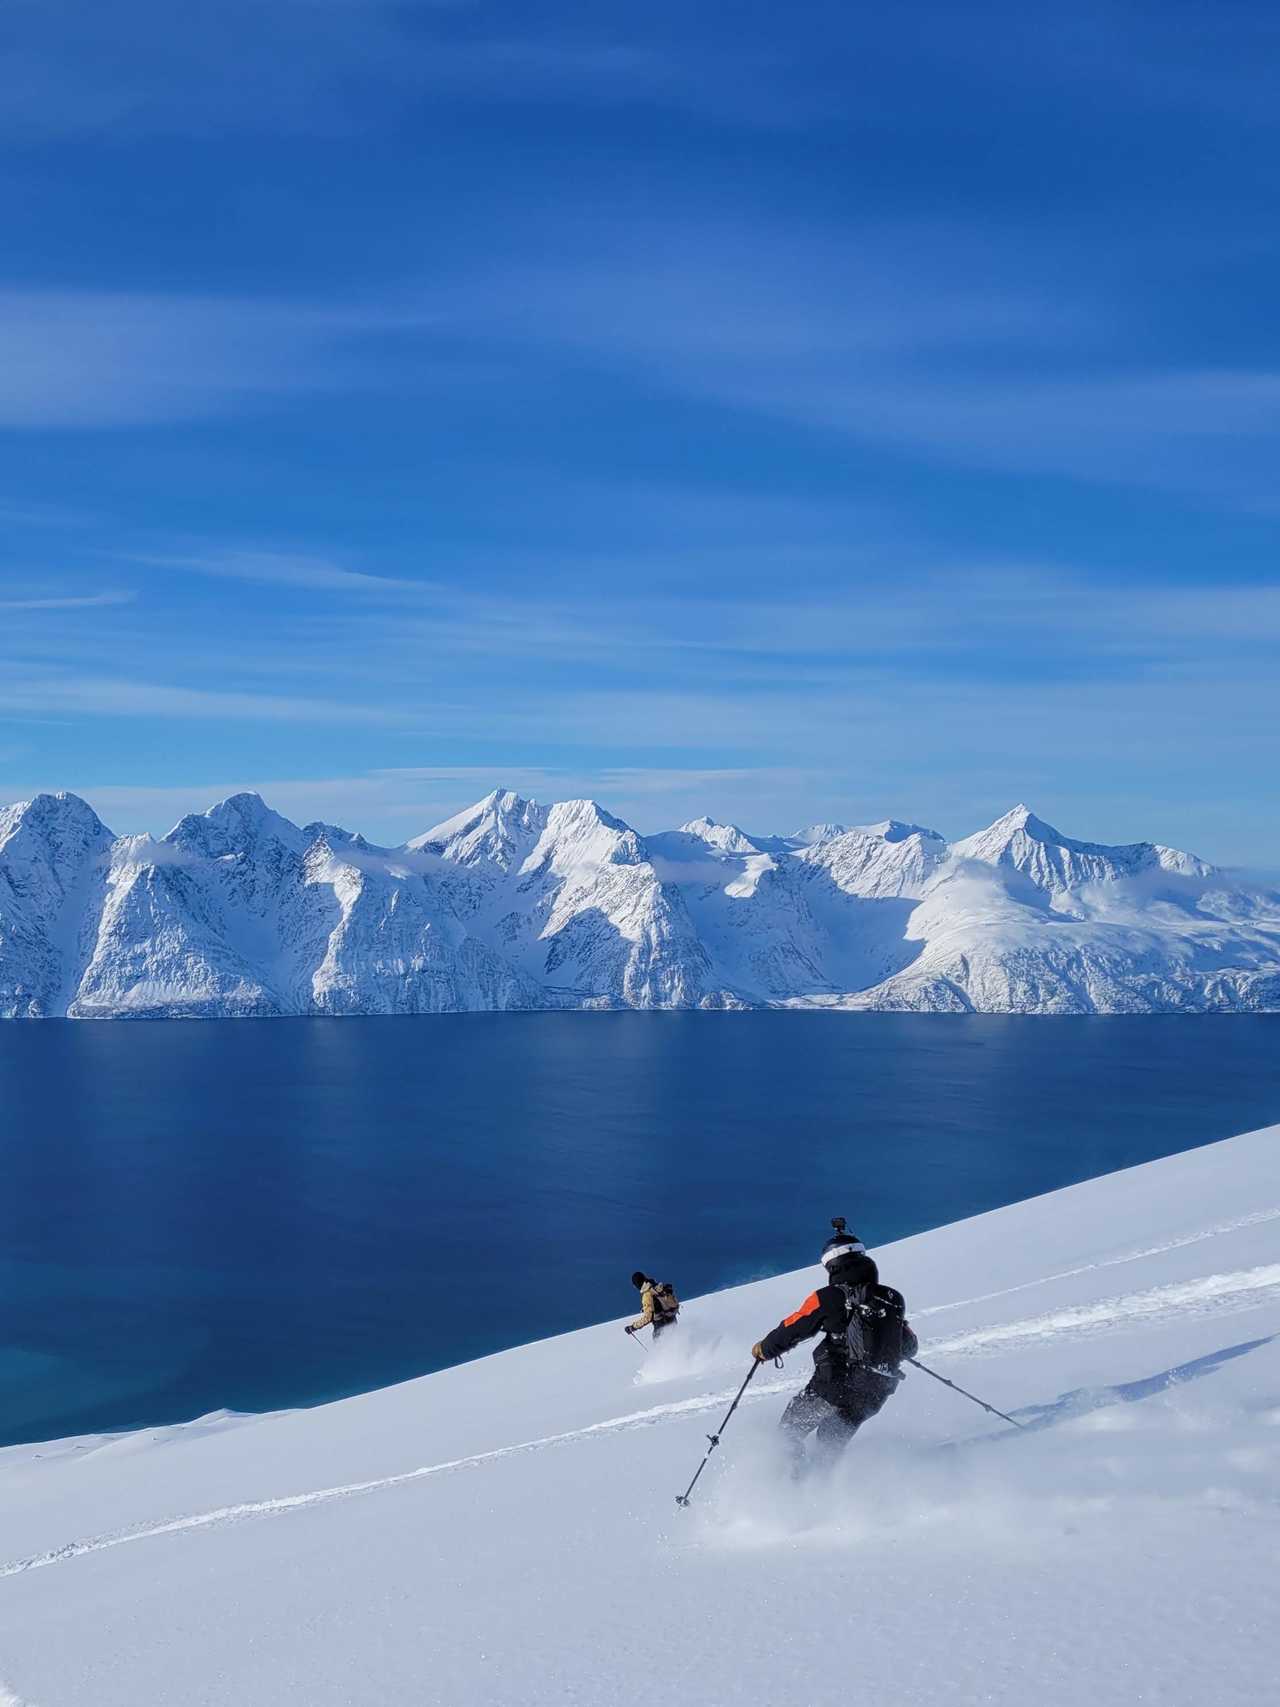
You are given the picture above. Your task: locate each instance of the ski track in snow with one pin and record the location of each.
(348, 1490)
(1216, 1293)
(1241, 1289)
(1219, 1227)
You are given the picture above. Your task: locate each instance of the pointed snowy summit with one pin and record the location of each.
(727, 838)
(63, 816)
(501, 829)
(894, 830)
(812, 834)
(240, 822)
(1057, 863)
(993, 844)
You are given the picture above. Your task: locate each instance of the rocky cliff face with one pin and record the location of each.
(512, 904)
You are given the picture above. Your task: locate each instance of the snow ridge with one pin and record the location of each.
(511, 904)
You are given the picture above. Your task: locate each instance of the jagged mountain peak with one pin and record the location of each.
(319, 831)
(498, 806)
(247, 808)
(1057, 863)
(1020, 819)
(812, 834)
(240, 821)
(728, 838)
(878, 861)
(1000, 841)
(59, 812)
(583, 829)
(499, 829)
(895, 830)
(585, 810)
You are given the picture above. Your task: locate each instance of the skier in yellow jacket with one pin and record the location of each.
(659, 1304)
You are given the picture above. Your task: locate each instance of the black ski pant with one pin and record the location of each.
(835, 1412)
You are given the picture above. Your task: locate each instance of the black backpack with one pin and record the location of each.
(877, 1315)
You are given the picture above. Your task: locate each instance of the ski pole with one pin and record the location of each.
(683, 1499)
(1003, 1415)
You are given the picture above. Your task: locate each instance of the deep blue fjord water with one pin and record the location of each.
(256, 1214)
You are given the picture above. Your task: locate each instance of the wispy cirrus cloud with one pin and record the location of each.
(902, 337)
(280, 569)
(898, 338)
(87, 358)
(78, 601)
(1210, 430)
(891, 616)
(24, 515)
(50, 692)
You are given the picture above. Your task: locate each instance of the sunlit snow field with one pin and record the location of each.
(508, 1532)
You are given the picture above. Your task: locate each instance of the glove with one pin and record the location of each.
(628, 1329)
(758, 1352)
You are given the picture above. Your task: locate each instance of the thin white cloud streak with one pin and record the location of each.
(1061, 618)
(115, 359)
(862, 337)
(1038, 649)
(116, 697)
(887, 722)
(281, 569)
(851, 337)
(87, 601)
(1012, 682)
(1210, 430)
(842, 616)
(723, 301)
(1214, 431)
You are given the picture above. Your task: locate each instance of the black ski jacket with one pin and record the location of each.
(826, 1311)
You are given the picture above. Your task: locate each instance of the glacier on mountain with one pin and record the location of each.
(511, 904)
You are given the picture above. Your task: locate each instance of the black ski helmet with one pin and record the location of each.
(842, 1243)
(638, 1278)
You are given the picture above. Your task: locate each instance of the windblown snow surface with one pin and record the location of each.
(506, 1532)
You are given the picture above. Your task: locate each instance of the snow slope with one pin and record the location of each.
(512, 904)
(507, 1531)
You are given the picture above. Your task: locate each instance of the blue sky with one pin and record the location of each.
(789, 413)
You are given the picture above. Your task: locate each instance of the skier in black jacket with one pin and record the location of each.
(846, 1388)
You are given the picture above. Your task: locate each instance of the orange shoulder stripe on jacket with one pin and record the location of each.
(806, 1309)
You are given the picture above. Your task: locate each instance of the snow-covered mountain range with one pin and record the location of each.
(511, 904)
